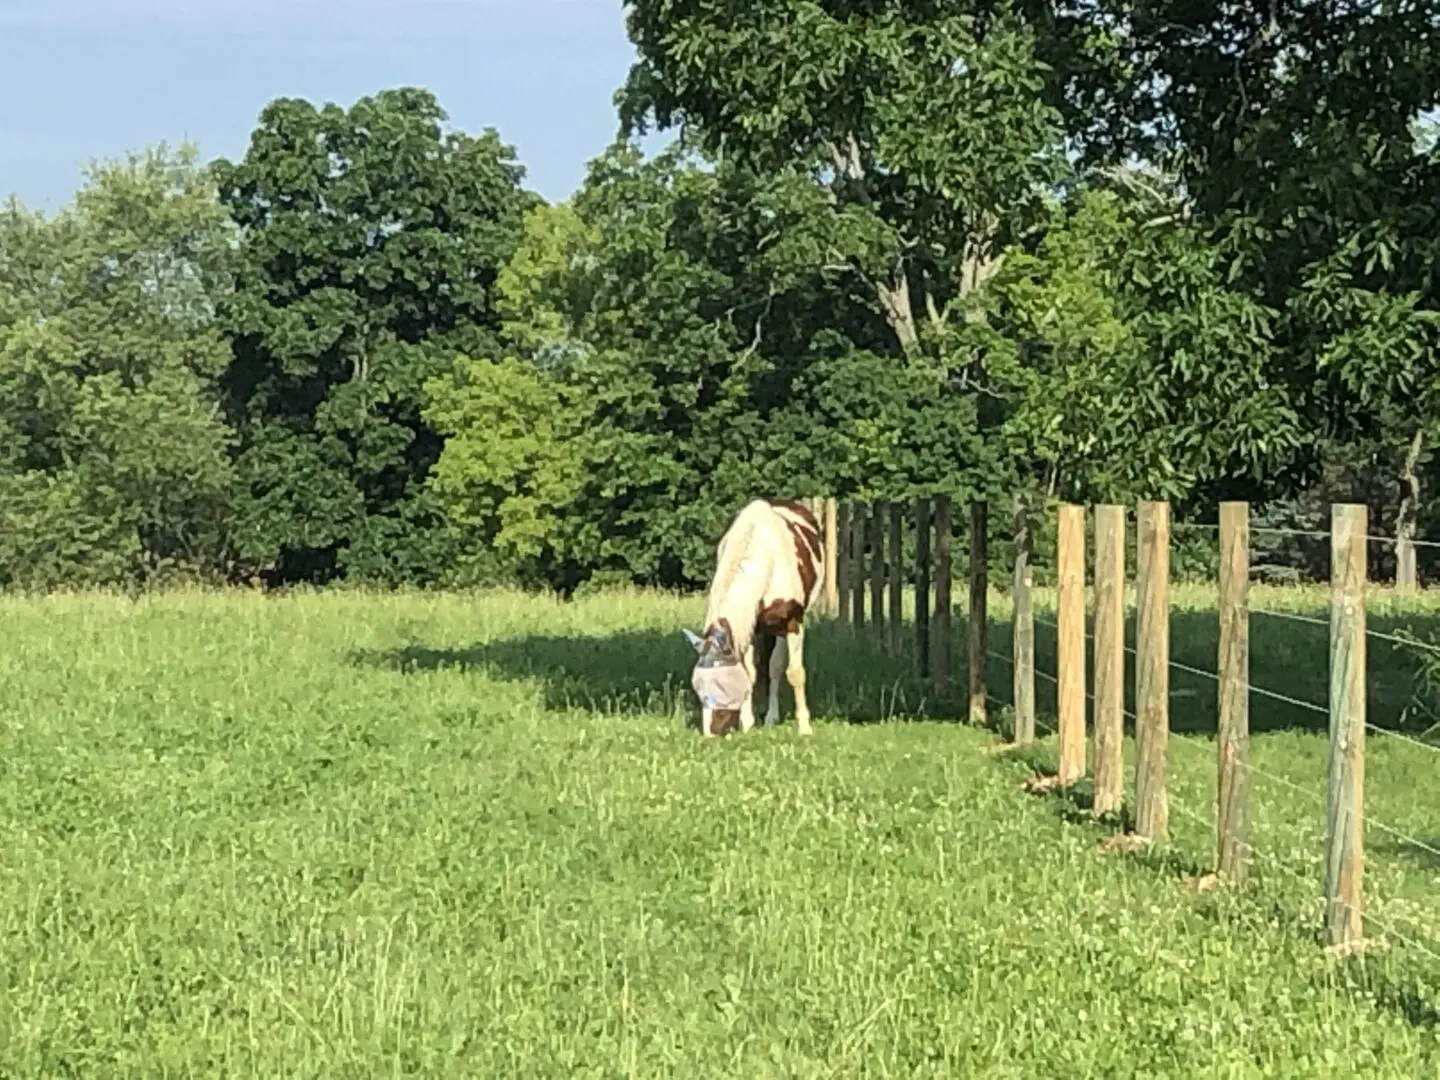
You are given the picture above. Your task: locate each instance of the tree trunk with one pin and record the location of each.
(978, 267)
(894, 295)
(1407, 576)
(895, 300)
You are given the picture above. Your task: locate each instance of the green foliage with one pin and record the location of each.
(1111, 359)
(115, 463)
(371, 239)
(1131, 369)
(537, 290)
(1300, 137)
(738, 368)
(675, 322)
(864, 270)
(512, 461)
(690, 350)
(929, 124)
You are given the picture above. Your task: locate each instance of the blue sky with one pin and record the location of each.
(86, 79)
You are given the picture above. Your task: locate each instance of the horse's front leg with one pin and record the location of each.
(795, 675)
(747, 704)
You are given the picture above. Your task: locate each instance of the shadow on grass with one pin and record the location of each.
(1427, 857)
(853, 678)
(1288, 658)
(1412, 1001)
(850, 678)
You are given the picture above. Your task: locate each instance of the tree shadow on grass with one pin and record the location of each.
(1409, 999)
(854, 678)
(849, 678)
(633, 670)
(1075, 805)
(1289, 671)
(1427, 857)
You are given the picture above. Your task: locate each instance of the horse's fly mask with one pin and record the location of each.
(719, 678)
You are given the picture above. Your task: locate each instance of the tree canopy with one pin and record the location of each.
(1098, 251)
(370, 242)
(115, 462)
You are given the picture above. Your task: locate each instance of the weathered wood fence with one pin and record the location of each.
(866, 579)
(863, 560)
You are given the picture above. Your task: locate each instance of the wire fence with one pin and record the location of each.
(1337, 676)
(1311, 796)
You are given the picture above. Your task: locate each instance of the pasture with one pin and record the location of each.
(436, 835)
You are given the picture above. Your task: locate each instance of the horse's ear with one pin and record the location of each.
(693, 638)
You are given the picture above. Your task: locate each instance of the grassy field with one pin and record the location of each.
(364, 836)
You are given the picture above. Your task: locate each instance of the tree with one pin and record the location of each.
(511, 465)
(370, 243)
(1130, 369)
(674, 321)
(514, 429)
(724, 362)
(1299, 133)
(115, 463)
(929, 125)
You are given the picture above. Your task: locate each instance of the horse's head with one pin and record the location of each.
(719, 678)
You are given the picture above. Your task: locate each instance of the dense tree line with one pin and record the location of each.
(1107, 250)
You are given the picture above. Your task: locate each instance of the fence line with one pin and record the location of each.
(1250, 767)
(1292, 616)
(861, 534)
(1392, 734)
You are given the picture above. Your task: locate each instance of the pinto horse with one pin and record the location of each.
(768, 572)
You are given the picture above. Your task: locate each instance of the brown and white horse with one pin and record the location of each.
(768, 572)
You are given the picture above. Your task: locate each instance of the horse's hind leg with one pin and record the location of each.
(776, 669)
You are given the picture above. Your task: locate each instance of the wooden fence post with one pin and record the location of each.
(1022, 624)
(897, 581)
(1345, 818)
(940, 635)
(831, 600)
(922, 586)
(844, 574)
(979, 614)
(877, 571)
(1233, 727)
(1070, 615)
(1109, 659)
(857, 566)
(1152, 669)
(1407, 574)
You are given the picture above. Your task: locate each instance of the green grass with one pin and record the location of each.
(363, 836)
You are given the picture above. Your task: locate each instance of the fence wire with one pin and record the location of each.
(1299, 702)
(1309, 795)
